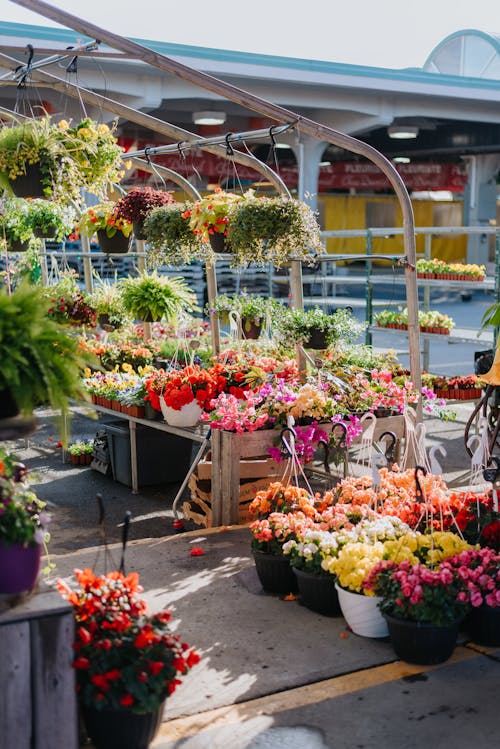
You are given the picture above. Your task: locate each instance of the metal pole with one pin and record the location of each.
(369, 289)
(87, 262)
(427, 302)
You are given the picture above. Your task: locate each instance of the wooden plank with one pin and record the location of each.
(230, 477)
(55, 720)
(45, 602)
(249, 469)
(15, 691)
(215, 441)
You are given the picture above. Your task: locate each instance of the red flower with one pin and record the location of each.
(192, 659)
(196, 551)
(84, 635)
(127, 700)
(82, 663)
(491, 534)
(113, 675)
(142, 676)
(100, 681)
(154, 667)
(172, 685)
(144, 638)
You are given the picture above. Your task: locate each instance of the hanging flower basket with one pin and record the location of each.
(139, 230)
(118, 244)
(318, 339)
(15, 245)
(187, 416)
(251, 330)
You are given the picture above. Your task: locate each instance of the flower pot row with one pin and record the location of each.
(451, 276)
(413, 641)
(137, 411)
(423, 328)
(459, 394)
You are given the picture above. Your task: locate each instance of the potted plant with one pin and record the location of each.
(209, 218)
(151, 297)
(16, 231)
(67, 304)
(250, 311)
(50, 220)
(39, 158)
(127, 661)
(40, 363)
(107, 302)
(479, 573)
(316, 329)
(23, 528)
(316, 585)
(138, 203)
(81, 453)
(422, 608)
(182, 395)
(262, 229)
(170, 239)
(112, 232)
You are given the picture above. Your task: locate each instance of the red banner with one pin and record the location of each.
(341, 175)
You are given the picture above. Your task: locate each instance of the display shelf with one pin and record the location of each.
(459, 335)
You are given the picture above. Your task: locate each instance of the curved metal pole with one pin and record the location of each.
(305, 125)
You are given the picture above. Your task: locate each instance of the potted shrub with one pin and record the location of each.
(39, 158)
(262, 229)
(138, 203)
(112, 232)
(209, 218)
(127, 661)
(315, 328)
(107, 302)
(170, 238)
(23, 528)
(151, 297)
(41, 364)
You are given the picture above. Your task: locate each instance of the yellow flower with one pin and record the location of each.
(63, 124)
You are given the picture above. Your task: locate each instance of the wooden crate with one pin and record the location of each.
(255, 468)
(199, 509)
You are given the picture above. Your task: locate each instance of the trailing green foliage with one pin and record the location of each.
(169, 237)
(152, 297)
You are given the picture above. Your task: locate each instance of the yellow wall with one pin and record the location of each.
(349, 212)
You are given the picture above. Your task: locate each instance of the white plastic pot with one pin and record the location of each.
(362, 613)
(188, 416)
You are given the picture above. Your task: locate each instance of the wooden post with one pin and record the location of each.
(87, 262)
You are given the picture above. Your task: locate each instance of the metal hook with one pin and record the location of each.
(390, 450)
(491, 474)
(339, 442)
(147, 149)
(180, 149)
(125, 529)
(326, 459)
(229, 148)
(27, 67)
(73, 65)
(285, 444)
(271, 135)
(419, 495)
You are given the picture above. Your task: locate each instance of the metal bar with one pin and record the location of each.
(133, 456)
(369, 289)
(23, 70)
(69, 52)
(388, 232)
(427, 304)
(87, 265)
(216, 140)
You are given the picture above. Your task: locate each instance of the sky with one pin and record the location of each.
(379, 33)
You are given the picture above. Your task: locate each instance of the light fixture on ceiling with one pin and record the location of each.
(401, 160)
(209, 118)
(325, 163)
(282, 145)
(402, 131)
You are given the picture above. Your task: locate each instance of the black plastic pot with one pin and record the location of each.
(15, 245)
(275, 573)
(29, 185)
(121, 729)
(318, 593)
(139, 230)
(105, 323)
(318, 339)
(117, 244)
(219, 242)
(251, 330)
(483, 625)
(421, 642)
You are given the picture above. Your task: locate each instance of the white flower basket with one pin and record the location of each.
(362, 613)
(188, 416)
